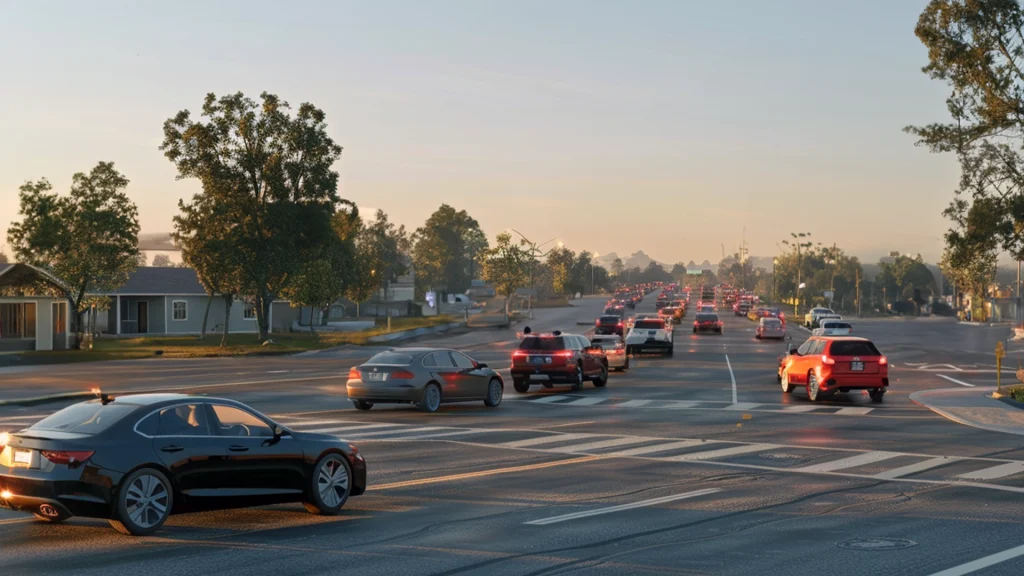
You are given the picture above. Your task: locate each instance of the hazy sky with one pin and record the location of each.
(666, 126)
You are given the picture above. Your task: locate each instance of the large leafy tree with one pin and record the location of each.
(271, 172)
(162, 261)
(382, 252)
(446, 248)
(969, 259)
(977, 48)
(88, 238)
(506, 266)
(560, 261)
(208, 236)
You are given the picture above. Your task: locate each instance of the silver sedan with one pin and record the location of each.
(614, 350)
(426, 377)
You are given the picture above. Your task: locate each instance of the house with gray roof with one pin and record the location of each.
(163, 300)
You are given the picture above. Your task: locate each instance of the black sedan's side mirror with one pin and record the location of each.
(278, 432)
(481, 365)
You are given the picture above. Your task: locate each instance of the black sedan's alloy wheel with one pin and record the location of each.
(331, 485)
(144, 502)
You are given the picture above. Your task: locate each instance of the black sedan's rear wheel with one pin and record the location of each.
(494, 393)
(144, 502)
(330, 486)
(362, 404)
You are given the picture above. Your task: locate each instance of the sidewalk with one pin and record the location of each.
(973, 407)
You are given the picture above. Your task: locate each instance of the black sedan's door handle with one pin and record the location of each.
(237, 448)
(171, 448)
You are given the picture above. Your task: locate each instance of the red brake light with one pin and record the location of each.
(519, 354)
(401, 375)
(68, 457)
(353, 374)
(883, 361)
(826, 360)
(563, 354)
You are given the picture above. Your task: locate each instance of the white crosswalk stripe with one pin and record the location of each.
(994, 472)
(612, 402)
(850, 462)
(926, 469)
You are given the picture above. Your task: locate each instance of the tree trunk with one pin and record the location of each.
(206, 316)
(262, 312)
(311, 310)
(227, 319)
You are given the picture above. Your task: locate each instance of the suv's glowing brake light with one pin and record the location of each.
(883, 361)
(353, 373)
(826, 360)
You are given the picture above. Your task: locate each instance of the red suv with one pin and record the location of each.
(547, 359)
(830, 364)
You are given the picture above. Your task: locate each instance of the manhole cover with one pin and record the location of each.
(877, 544)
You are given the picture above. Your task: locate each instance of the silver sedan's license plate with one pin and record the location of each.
(857, 366)
(378, 376)
(22, 457)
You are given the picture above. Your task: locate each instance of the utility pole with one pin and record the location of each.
(832, 285)
(858, 293)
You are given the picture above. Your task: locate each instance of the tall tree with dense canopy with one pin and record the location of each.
(382, 253)
(506, 266)
(977, 48)
(89, 238)
(446, 248)
(271, 172)
(162, 261)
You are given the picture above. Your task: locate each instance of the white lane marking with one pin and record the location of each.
(678, 404)
(588, 401)
(353, 428)
(546, 440)
(659, 448)
(443, 434)
(980, 563)
(915, 468)
(600, 444)
(635, 403)
(734, 451)
(1000, 471)
(799, 408)
(955, 381)
(403, 431)
(277, 371)
(621, 507)
(287, 422)
(850, 462)
(550, 399)
(852, 411)
(733, 378)
(742, 406)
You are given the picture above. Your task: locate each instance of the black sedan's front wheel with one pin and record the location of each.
(331, 485)
(144, 502)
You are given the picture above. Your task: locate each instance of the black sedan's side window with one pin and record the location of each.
(149, 425)
(233, 421)
(183, 420)
(442, 360)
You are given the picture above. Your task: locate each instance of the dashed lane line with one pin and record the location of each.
(622, 507)
(480, 474)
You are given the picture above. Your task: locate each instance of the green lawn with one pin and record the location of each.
(237, 344)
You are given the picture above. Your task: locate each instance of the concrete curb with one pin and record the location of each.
(984, 324)
(918, 398)
(406, 334)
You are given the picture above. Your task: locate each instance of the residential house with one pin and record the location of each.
(29, 319)
(161, 300)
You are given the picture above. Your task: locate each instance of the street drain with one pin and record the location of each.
(876, 544)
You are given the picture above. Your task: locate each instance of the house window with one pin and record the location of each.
(249, 311)
(179, 310)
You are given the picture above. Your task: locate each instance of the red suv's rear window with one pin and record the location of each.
(547, 344)
(853, 348)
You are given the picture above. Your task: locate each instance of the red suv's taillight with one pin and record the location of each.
(827, 360)
(68, 457)
(883, 361)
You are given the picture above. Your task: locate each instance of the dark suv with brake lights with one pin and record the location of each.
(610, 324)
(558, 358)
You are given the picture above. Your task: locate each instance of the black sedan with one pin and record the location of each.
(134, 460)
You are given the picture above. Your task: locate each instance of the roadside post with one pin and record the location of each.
(1000, 354)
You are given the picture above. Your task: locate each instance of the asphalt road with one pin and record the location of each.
(695, 464)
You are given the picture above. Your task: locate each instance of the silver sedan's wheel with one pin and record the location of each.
(494, 393)
(431, 398)
(332, 480)
(143, 503)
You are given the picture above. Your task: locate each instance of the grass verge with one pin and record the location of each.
(237, 344)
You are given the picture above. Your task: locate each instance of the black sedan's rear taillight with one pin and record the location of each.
(67, 457)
